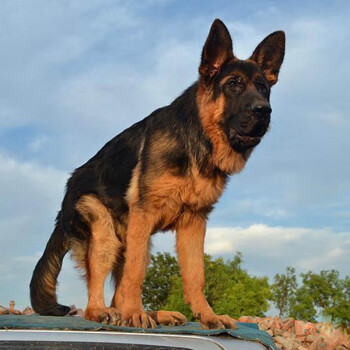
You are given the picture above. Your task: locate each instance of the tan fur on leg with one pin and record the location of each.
(102, 252)
(140, 227)
(190, 249)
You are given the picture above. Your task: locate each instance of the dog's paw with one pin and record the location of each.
(138, 319)
(228, 322)
(212, 321)
(109, 315)
(168, 318)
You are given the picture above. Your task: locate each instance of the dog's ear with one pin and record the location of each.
(217, 49)
(269, 55)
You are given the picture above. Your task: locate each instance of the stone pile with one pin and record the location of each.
(10, 310)
(291, 334)
(29, 311)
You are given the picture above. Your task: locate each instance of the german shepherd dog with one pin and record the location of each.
(163, 173)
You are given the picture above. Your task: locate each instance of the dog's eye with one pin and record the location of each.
(262, 88)
(235, 81)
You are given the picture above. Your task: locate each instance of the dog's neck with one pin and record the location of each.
(210, 112)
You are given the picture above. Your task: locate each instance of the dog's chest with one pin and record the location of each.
(173, 195)
(198, 192)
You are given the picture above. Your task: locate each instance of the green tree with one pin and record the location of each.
(325, 292)
(283, 290)
(325, 287)
(229, 289)
(340, 313)
(159, 281)
(302, 305)
(339, 300)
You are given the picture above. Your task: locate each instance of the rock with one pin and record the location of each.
(12, 310)
(300, 347)
(310, 338)
(3, 311)
(79, 313)
(28, 311)
(279, 339)
(319, 344)
(278, 332)
(288, 324)
(265, 323)
(291, 334)
(73, 310)
(289, 344)
(337, 339)
(248, 319)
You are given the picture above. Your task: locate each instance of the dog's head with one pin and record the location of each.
(239, 89)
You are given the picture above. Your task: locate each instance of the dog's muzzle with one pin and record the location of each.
(259, 120)
(247, 131)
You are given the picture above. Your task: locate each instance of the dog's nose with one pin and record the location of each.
(261, 109)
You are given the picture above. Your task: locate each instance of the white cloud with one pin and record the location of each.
(257, 236)
(270, 249)
(343, 214)
(262, 207)
(105, 95)
(38, 143)
(43, 42)
(334, 118)
(27, 258)
(31, 194)
(25, 181)
(9, 115)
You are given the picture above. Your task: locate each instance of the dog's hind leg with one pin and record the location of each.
(101, 256)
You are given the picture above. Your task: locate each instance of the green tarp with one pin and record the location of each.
(246, 331)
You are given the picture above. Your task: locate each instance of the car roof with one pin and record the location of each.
(52, 339)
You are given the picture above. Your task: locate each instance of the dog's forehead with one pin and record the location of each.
(247, 68)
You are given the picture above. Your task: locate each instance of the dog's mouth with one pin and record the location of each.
(242, 142)
(246, 133)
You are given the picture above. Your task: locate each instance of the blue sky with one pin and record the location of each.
(73, 74)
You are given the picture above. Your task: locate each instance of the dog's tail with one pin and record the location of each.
(44, 280)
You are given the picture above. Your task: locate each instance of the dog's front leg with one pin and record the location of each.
(136, 258)
(190, 234)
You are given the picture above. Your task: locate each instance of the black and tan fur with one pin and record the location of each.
(163, 173)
